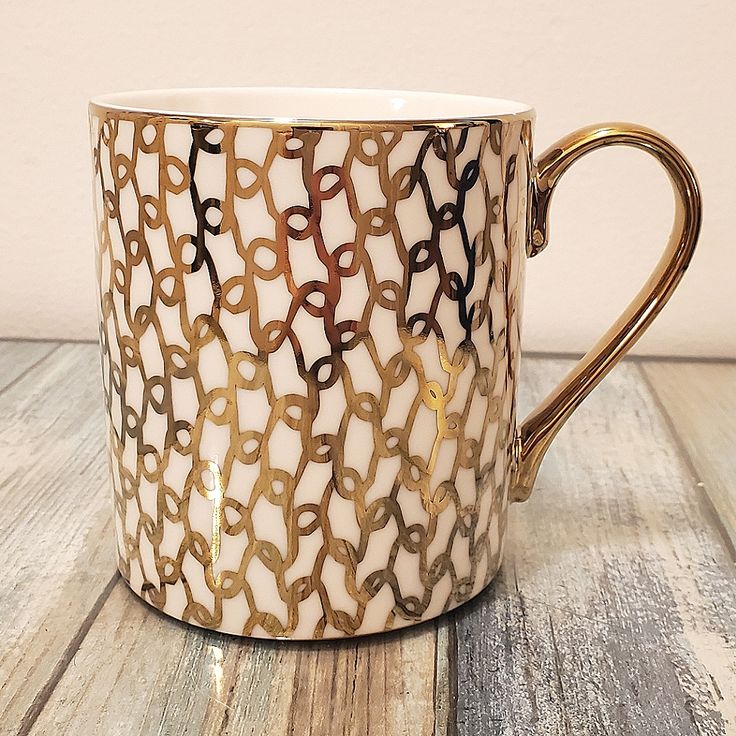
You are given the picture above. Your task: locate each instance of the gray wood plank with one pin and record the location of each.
(57, 550)
(700, 400)
(615, 610)
(379, 685)
(139, 672)
(97, 659)
(18, 357)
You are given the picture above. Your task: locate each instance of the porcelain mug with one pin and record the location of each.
(309, 323)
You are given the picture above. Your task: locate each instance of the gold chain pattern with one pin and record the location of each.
(309, 341)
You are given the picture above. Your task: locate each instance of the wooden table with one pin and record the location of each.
(614, 613)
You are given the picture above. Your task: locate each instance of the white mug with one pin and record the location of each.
(309, 322)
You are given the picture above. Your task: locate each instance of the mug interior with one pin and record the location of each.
(312, 104)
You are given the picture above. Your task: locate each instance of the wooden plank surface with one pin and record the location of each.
(614, 613)
(700, 401)
(17, 358)
(55, 521)
(139, 672)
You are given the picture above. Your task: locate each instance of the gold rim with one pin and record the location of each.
(102, 106)
(281, 124)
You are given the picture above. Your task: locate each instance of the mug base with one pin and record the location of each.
(396, 623)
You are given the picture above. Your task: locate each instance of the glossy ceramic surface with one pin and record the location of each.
(310, 339)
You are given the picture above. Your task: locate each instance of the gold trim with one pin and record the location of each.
(539, 429)
(98, 107)
(281, 124)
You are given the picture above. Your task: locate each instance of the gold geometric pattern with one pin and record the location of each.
(309, 339)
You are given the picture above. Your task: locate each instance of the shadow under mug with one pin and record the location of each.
(309, 323)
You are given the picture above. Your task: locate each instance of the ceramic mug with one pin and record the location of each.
(309, 322)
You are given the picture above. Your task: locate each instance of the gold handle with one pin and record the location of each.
(536, 433)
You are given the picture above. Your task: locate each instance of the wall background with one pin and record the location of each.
(659, 63)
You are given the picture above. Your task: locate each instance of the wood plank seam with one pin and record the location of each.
(294, 688)
(43, 695)
(452, 677)
(59, 340)
(701, 488)
(30, 368)
(444, 680)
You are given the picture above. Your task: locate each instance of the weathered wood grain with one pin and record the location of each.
(700, 400)
(615, 611)
(138, 672)
(17, 358)
(56, 559)
(135, 671)
(382, 685)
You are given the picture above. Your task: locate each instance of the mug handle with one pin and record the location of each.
(537, 431)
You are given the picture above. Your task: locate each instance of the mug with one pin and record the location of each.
(309, 324)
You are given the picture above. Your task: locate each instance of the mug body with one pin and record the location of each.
(309, 323)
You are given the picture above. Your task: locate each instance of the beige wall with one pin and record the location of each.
(670, 65)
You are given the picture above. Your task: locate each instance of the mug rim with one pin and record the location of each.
(472, 109)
